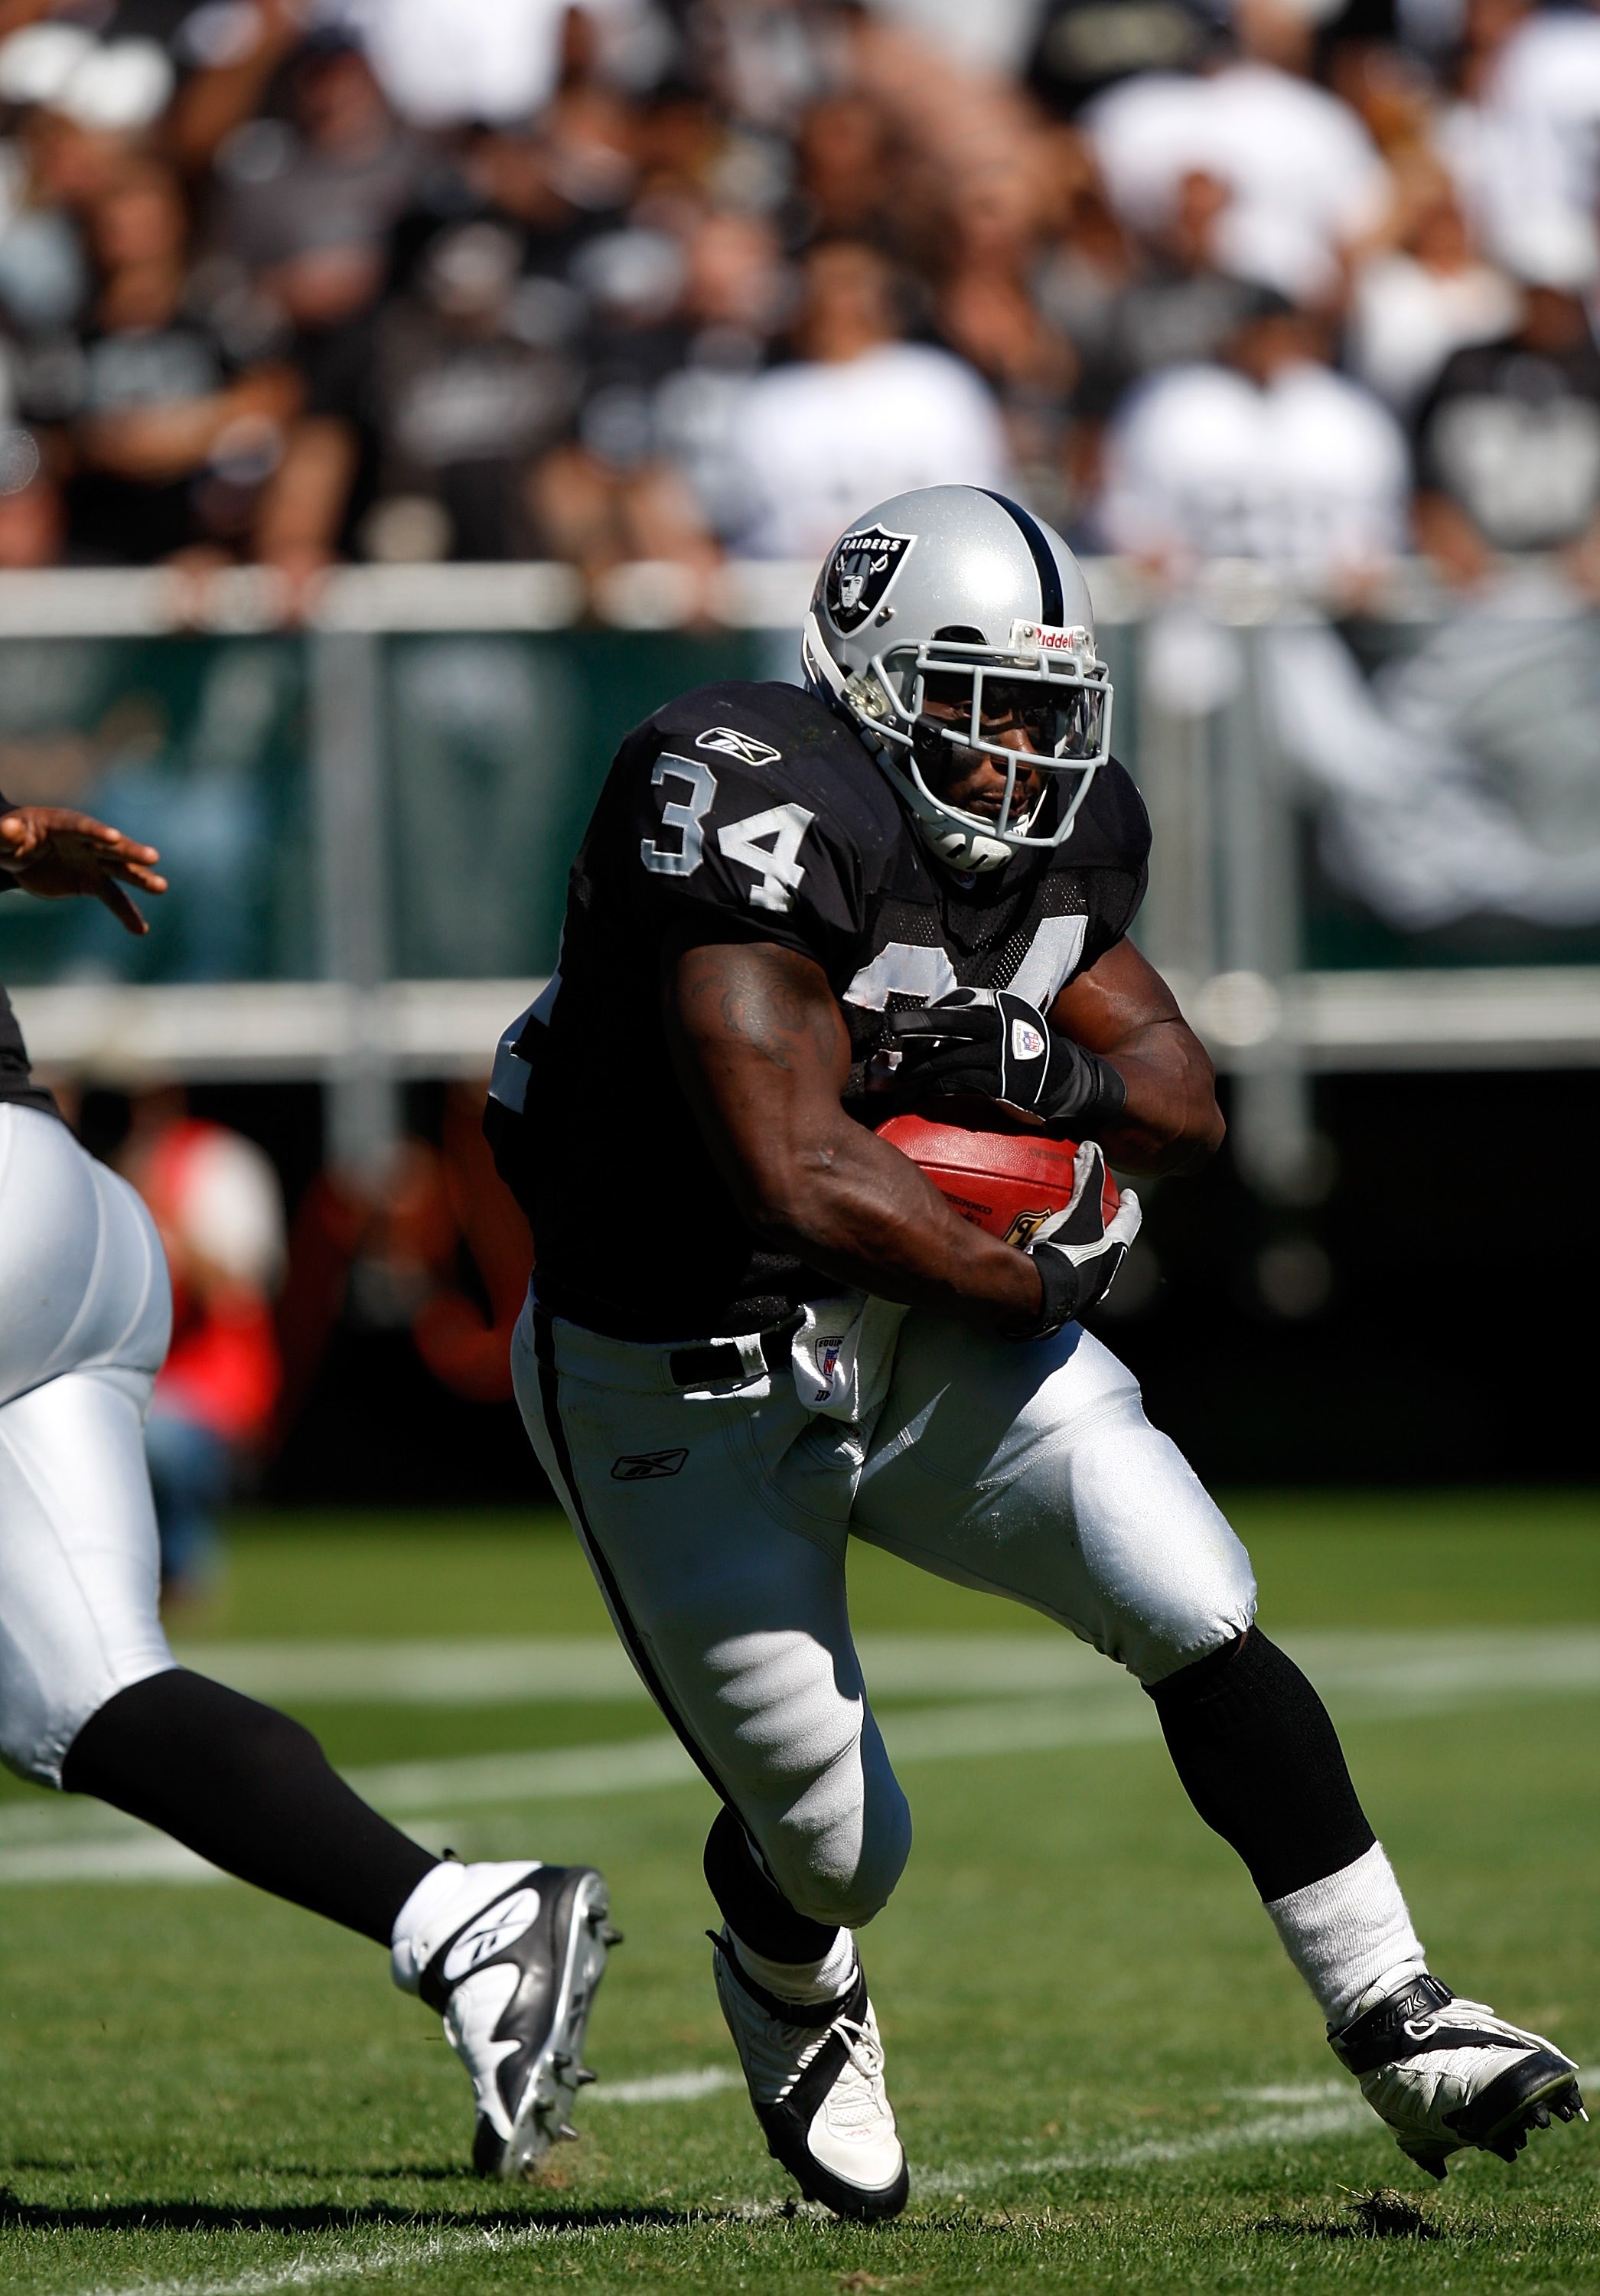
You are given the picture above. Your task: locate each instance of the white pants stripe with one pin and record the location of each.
(1031, 1471)
(85, 1314)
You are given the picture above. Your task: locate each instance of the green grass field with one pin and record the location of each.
(1107, 2076)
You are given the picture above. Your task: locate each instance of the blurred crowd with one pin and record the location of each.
(306, 281)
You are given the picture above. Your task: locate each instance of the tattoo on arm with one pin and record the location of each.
(771, 1005)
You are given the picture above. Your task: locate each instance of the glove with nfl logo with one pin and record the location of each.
(989, 1043)
(1078, 1250)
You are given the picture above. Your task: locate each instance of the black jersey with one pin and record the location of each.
(746, 812)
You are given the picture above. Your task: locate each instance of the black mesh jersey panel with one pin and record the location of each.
(751, 812)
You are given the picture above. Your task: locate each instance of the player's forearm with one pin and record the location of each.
(1171, 1122)
(762, 1052)
(852, 1206)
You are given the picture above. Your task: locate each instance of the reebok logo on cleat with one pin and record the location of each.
(646, 1466)
(490, 1932)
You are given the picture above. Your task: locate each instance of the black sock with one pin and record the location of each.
(249, 1790)
(1259, 1759)
(752, 1904)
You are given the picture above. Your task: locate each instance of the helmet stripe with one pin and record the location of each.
(1052, 604)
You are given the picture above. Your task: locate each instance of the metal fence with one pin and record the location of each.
(1373, 840)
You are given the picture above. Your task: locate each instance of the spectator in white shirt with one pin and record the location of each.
(1415, 303)
(860, 416)
(1270, 455)
(1306, 178)
(1527, 152)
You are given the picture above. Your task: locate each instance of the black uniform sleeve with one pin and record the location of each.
(1116, 846)
(724, 851)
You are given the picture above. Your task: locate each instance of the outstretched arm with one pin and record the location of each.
(761, 1049)
(1123, 1010)
(54, 853)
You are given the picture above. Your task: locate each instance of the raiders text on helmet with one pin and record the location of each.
(950, 620)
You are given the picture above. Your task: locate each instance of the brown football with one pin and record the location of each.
(1007, 1182)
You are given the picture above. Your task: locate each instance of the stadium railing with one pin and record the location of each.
(378, 804)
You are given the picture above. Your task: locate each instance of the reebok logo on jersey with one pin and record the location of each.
(490, 1931)
(729, 742)
(1026, 1042)
(646, 1466)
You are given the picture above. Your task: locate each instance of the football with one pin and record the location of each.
(1007, 1182)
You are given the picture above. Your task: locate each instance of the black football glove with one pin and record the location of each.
(1001, 1048)
(1077, 1251)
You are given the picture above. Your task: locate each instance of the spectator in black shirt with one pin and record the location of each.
(466, 388)
(1508, 444)
(172, 432)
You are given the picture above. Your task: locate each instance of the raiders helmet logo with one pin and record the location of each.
(859, 574)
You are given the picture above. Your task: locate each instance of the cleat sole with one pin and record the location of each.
(551, 2096)
(1531, 2111)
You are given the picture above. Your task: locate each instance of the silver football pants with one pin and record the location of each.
(717, 1520)
(84, 1316)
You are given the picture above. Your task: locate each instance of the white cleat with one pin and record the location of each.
(515, 1982)
(816, 2080)
(1446, 2074)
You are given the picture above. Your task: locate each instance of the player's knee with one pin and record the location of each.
(1205, 1602)
(845, 1873)
(35, 1737)
(850, 1897)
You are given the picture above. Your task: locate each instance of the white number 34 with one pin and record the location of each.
(778, 873)
(776, 868)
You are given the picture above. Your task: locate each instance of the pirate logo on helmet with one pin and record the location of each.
(859, 573)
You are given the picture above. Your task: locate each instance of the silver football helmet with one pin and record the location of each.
(948, 619)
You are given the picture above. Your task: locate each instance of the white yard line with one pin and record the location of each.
(1367, 1676)
(308, 2271)
(1320, 2114)
(666, 2088)
(513, 1670)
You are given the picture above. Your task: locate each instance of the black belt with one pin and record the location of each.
(719, 1359)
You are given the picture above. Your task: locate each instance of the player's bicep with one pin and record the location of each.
(1114, 1000)
(760, 1046)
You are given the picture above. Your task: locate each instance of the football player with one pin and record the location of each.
(92, 1700)
(757, 1329)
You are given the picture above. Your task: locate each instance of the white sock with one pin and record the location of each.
(803, 1980)
(441, 1901)
(1349, 1935)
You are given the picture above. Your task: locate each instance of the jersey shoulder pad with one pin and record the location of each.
(1111, 830)
(754, 724)
(780, 733)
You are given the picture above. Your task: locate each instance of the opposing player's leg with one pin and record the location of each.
(1032, 1472)
(92, 1700)
(712, 1507)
